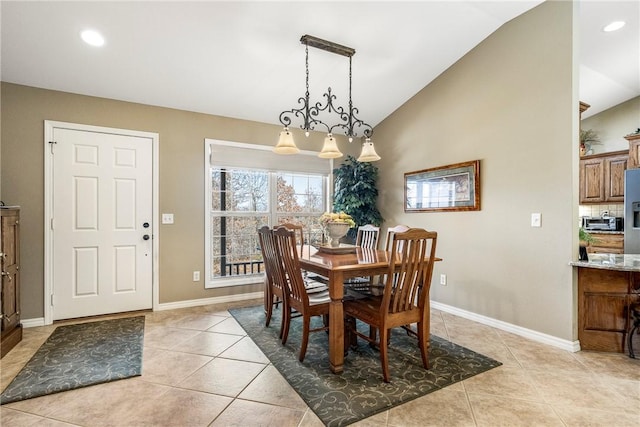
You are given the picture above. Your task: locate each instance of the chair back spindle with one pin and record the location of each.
(367, 236)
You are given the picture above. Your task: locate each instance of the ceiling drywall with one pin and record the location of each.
(244, 59)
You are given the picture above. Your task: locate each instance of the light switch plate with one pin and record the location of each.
(536, 220)
(167, 218)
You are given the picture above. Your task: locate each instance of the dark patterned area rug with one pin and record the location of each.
(80, 355)
(359, 391)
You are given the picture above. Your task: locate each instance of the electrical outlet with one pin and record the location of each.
(196, 276)
(443, 279)
(167, 218)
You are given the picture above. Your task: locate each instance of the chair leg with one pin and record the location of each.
(268, 306)
(373, 332)
(423, 342)
(286, 321)
(351, 339)
(631, 353)
(383, 354)
(306, 321)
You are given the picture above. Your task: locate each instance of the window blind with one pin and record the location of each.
(237, 154)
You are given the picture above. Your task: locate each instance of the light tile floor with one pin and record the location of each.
(200, 369)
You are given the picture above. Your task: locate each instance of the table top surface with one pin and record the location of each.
(360, 258)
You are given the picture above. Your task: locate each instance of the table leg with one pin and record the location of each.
(336, 322)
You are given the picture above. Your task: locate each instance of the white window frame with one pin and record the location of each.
(228, 281)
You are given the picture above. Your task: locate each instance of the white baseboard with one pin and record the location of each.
(32, 323)
(207, 301)
(571, 346)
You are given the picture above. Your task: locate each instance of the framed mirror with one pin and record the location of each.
(445, 188)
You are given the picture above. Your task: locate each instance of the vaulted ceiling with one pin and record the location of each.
(244, 59)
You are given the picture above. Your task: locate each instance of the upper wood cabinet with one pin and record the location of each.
(602, 177)
(634, 150)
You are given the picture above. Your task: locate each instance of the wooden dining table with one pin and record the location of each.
(337, 267)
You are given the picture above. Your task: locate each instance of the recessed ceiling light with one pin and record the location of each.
(614, 26)
(92, 37)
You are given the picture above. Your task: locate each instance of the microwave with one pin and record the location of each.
(606, 223)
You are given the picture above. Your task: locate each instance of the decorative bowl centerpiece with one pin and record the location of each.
(336, 226)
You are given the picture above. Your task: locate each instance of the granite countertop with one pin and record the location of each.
(604, 232)
(611, 262)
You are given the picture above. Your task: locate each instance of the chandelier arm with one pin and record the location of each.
(310, 113)
(354, 122)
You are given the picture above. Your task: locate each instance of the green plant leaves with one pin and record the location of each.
(356, 192)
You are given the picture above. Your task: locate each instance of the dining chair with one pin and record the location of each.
(405, 299)
(299, 233)
(367, 236)
(275, 282)
(391, 232)
(306, 305)
(375, 285)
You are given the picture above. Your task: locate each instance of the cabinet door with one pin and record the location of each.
(614, 168)
(592, 181)
(634, 150)
(10, 251)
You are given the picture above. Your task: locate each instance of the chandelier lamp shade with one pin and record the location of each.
(309, 113)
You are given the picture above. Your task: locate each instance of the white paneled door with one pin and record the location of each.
(102, 223)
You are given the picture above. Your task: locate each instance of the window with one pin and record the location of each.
(242, 199)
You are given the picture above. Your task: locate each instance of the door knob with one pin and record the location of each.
(145, 237)
(145, 225)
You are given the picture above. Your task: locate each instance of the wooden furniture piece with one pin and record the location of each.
(606, 243)
(390, 233)
(604, 298)
(337, 268)
(405, 299)
(634, 313)
(634, 149)
(308, 305)
(602, 177)
(11, 333)
(299, 233)
(275, 285)
(367, 236)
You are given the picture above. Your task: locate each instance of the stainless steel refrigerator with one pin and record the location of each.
(632, 211)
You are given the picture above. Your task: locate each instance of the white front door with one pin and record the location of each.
(101, 237)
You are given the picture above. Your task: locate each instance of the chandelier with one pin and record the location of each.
(310, 113)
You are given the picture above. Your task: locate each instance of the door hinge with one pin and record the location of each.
(52, 300)
(51, 144)
(52, 225)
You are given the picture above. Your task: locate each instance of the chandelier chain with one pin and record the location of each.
(347, 121)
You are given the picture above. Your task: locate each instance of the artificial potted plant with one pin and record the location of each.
(585, 238)
(588, 138)
(356, 193)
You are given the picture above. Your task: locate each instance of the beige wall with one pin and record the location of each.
(510, 102)
(181, 185)
(613, 124)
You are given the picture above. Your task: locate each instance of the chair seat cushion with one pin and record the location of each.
(319, 298)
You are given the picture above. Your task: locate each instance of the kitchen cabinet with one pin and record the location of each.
(634, 149)
(11, 329)
(604, 297)
(606, 243)
(602, 177)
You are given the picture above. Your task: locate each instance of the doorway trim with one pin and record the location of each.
(49, 126)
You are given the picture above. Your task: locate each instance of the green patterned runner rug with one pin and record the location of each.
(80, 355)
(359, 391)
